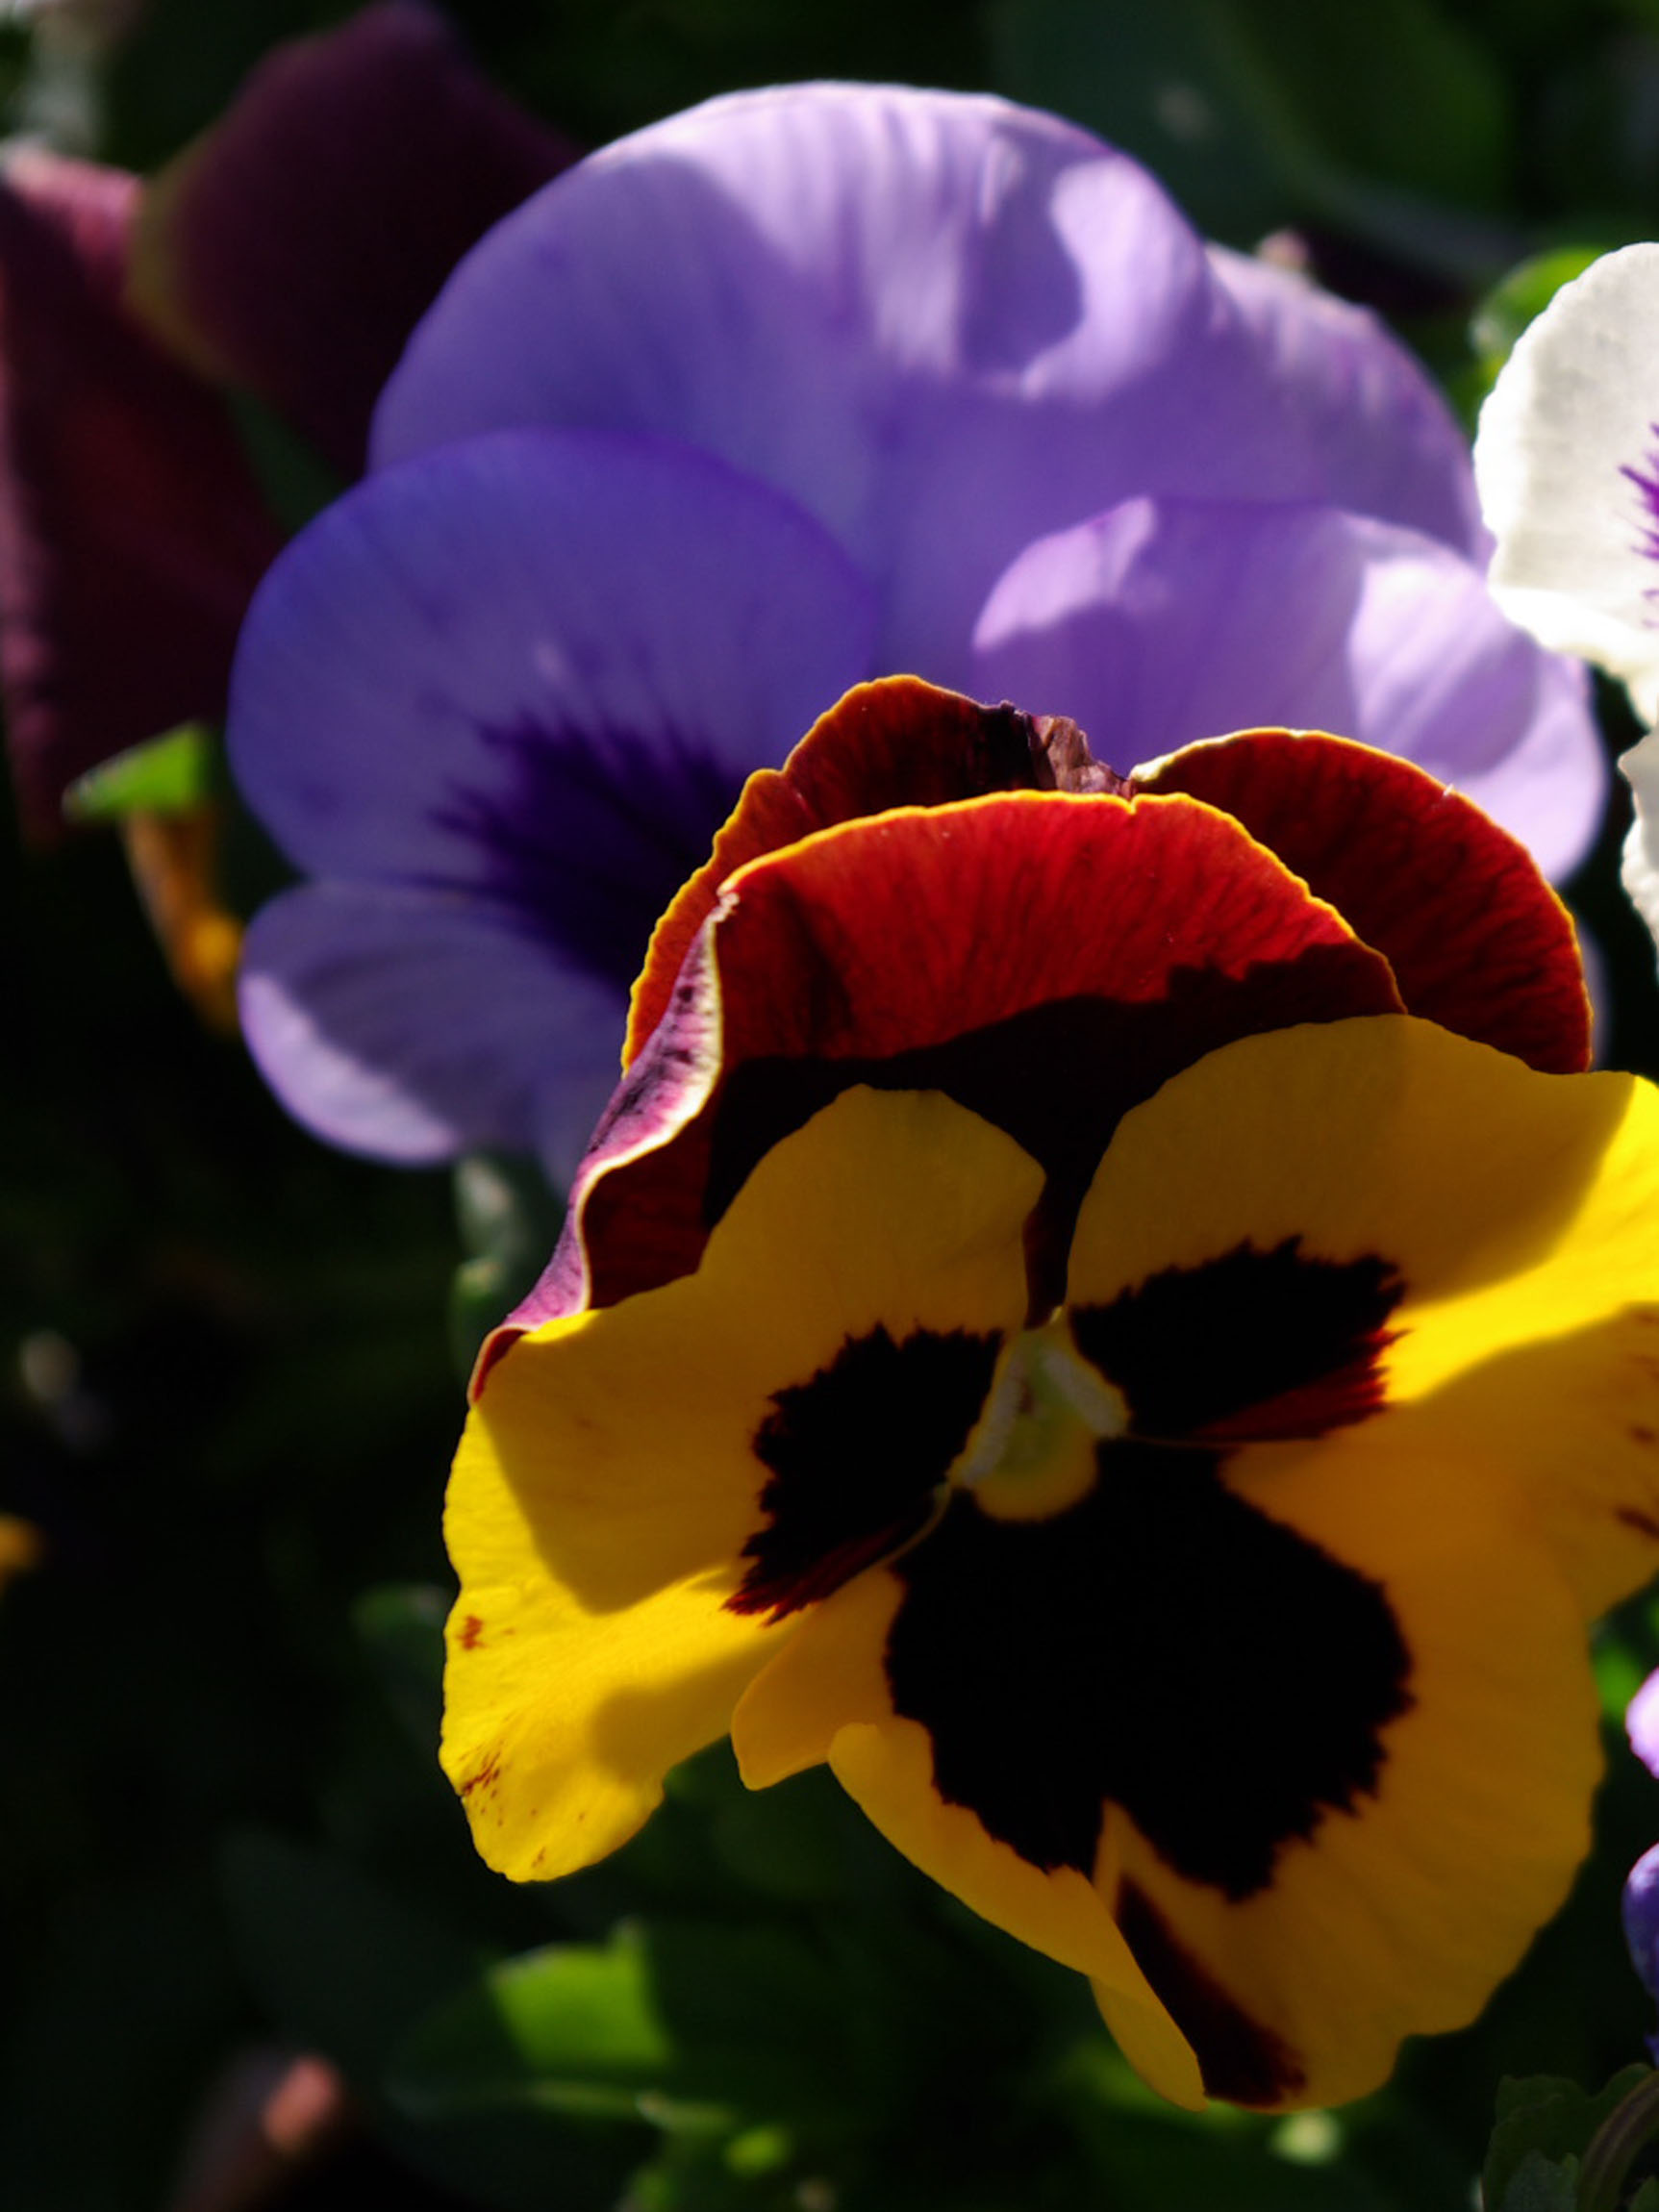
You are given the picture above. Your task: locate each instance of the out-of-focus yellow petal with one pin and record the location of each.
(174, 860)
(23, 1547)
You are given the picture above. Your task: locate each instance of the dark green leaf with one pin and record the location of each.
(509, 1223)
(1541, 2184)
(342, 1964)
(1553, 2118)
(693, 2028)
(401, 1628)
(345, 1967)
(1387, 122)
(293, 479)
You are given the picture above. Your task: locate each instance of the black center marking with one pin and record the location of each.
(1253, 1345)
(856, 1456)
(1163, 1645)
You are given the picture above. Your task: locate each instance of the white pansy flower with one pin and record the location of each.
(1567, 462)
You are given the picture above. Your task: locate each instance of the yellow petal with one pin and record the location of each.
(1520, 1209)
(607, 1483)
(828, 1676)
(1400, 1917)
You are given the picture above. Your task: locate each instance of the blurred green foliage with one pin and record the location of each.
(230, 1387)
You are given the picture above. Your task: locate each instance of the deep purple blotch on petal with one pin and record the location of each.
(596, 830)
(315, 224)
(499, 701)
(537, 667)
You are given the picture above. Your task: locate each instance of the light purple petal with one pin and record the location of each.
(539, 666)
(1376, 435)
(413, 1025)
(943, 324)
(1163, 622)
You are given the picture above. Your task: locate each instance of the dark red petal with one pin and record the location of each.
(130, 530)
(1050, 961)
(897, 742)
(1476, 938)
(295, 245)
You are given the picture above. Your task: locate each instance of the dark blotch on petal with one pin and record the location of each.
(856, 1456)
(1252, 1345)
(1162, 1644)
(600, 830)
(1240, 2059)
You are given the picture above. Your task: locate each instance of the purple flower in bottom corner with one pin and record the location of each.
(1642, 1926)
(1642, 1887)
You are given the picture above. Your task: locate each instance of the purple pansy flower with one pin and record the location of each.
(805, 385)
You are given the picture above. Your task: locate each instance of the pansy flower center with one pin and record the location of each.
(1031, 1453)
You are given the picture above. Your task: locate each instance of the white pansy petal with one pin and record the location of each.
(1566, 461)
(1641, 862)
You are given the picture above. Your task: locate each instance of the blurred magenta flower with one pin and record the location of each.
(294, 246)
(288, 252)
(131, 528)
(919, 383)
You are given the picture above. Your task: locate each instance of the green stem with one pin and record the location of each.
(1627, 2130)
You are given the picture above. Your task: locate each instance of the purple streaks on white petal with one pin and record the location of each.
(1648, 486)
